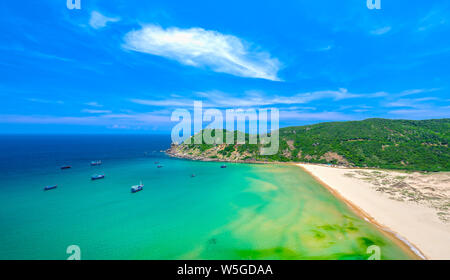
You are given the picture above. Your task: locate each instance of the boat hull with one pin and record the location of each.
(135, 190)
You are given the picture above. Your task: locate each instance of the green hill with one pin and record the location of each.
(381, 143)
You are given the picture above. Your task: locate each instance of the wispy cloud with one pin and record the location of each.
(164, 102)
(436, 17)
(145, 119)
(319, 116)
(91, 111)
(417, 91)
(439, 112)
(204, 48)
(93, 104)
(254, 99)
(39, 100)
(336, 95)
(98, 20)
(381, 31)
(411, 103)
(404, 100)
(418, 108)
(325, 48)
(49, 56)
(33, 53)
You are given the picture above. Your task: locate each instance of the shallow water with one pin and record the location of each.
(245, 211)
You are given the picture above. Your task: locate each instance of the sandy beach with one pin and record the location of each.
(412, 206)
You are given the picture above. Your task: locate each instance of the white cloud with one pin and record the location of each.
(325, 49)
(144, 119)
(38, 100)
(435, 18)
(204, 48)
(413, 103)
(319, 116)
(90, 111)
(93, 104)
(48, 56)
(165, 102)
(417, 91)
(381, 31)
(439, 112)
(220, 99)
(98, 20)
(256, 99)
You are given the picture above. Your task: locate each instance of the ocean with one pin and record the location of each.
(244, 211)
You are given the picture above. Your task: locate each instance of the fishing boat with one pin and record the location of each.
(66, 167)
(160, 166)
(96, 162)
(96, 177)
(137, 188)
(47, 188)
(223, 166)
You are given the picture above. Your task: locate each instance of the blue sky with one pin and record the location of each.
(124, 66)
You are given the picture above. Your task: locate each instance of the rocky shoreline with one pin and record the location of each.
(177, 152)
(184, 152)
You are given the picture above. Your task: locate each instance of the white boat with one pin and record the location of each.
(137, 188)
(96, 162)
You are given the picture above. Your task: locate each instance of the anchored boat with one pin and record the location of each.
(96, 177)
(47, 188)
(223, 166)
(96, 162)
(137, 188)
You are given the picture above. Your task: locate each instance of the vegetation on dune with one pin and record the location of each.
(382, 143)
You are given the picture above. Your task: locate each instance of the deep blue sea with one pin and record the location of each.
(33, 154)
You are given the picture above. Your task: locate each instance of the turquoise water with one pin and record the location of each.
(241, 212)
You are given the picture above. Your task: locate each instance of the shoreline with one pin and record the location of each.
(415, 225)
(199, 158)
(401, 241)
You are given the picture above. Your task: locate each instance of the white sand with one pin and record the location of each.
(416, 224)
